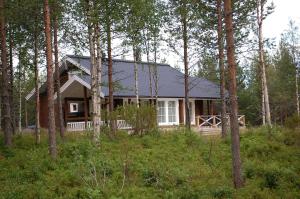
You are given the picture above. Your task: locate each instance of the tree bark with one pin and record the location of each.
(155, 76)
(6, 112)
(262, 63)
(136, 81)
(95, 64)
(147, 45)
(235, 139)
(57, 81)
(11, 87)
(263, 109)
(37, 92)
(50, 89)
(297, 93)
(186, 71)
(20, 94)
(110, 75)
(222, 69)
(99, 77)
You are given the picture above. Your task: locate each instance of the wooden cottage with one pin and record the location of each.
(75, 80)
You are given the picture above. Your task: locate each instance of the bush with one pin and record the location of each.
(292, 122)
(222, 192)
(271, 179)
(142, 119)
(151, 177)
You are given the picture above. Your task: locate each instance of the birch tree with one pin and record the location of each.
(181, 21)
(265, 94)
(134, 22)
(95, 54)
(222, 68)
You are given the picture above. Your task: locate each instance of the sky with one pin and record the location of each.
(277, 22)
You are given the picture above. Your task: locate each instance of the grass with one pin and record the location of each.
(170, 165)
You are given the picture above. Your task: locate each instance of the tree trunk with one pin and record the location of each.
(222, 69)
(136, 81)
(11, 87)
(297, 93)
(20, 94)
(25, 104)
(110, 76)
(94, 74)
(50, 89)
(263, 109)
(37, 92)
(99, 76)
(57, 80)
(147, 45)
(235, 139)
(155, 76)
(186, 73)
(262, 62)
(6, 112)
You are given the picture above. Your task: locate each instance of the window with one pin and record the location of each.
(73, 107)
(161, 114)
(171, 111)
(167, 112)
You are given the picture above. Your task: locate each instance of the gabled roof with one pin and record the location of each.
(170, 80)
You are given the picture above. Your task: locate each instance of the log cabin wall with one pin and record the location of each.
(43, 111)
(181, 112)
(199, 107)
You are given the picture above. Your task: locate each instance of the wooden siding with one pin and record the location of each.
(199, 107)
(181, 112)
(43, 111)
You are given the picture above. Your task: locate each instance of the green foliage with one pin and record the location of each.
(171, 165)
(292, 122)
(222, 192)
(142, 118)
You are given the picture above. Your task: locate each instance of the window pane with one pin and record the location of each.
(161, 114)
(171, 111)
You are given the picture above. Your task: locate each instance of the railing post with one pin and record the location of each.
(197, 120)
(214, 121)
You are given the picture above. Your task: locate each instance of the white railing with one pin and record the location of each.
(215, 121)
(121, 124)
(80, 126)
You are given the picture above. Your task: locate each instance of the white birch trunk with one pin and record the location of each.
(136, 81)
(262, 63)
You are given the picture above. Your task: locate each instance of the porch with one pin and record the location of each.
(204, 113)
(204, 124)
(83, 126)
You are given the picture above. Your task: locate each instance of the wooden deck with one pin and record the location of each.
(205, 124)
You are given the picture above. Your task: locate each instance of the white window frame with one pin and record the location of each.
(72, 110)
(166, 101)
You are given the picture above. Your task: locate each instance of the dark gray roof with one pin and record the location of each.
(170, 80)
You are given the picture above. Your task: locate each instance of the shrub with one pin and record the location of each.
(151, 177)
(271, 178)
(222, 192)
(192, 140)
(142, 119)
(292, 122)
